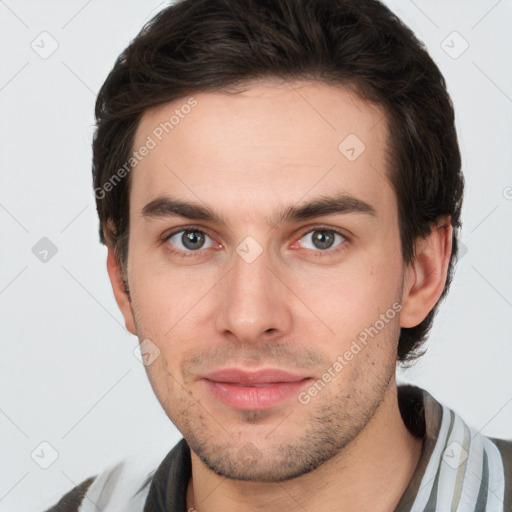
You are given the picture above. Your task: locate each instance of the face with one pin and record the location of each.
(264, 265)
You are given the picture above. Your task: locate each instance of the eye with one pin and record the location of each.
(323, 239)
(190, 240)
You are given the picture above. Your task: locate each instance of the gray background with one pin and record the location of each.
(68, 373)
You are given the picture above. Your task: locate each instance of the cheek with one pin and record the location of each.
(352, 296)
(166, 382)
(164, 296)
(151, 306)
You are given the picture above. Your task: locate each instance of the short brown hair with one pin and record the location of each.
(214, 45)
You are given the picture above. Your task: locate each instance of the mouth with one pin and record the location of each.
(257, 390)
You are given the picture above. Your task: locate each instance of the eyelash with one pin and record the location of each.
(328, 252)
(320, 254)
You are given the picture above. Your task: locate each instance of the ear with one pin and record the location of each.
(426, 276)
(122, 298)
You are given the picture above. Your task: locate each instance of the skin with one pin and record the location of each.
(296, 307)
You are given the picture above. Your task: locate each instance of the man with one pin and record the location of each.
(279, 187)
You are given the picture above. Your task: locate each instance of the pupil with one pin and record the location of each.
(192, 239)
(323, 239)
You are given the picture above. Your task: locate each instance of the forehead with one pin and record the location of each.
(268, 145)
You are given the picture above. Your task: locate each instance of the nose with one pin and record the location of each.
(254, 303)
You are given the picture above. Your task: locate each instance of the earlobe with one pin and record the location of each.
(425, 277)
(118, 287)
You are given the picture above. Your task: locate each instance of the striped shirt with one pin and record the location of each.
(459, 470)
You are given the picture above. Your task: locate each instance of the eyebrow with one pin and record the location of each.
(164, 206)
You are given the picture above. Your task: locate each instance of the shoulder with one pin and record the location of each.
(71, 501)
(504, 446)
(458, 464)
(121, 486)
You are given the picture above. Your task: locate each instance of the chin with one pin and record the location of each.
(278, 464)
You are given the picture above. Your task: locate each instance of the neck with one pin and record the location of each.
(369, 474)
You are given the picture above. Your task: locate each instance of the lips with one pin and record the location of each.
(256, 390)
